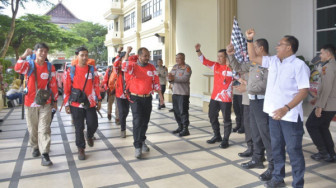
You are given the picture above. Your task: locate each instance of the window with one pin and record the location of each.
(157, 54)
(127, 22)
(133, 20)
(146, 12)
(325, 23)
(157, 8)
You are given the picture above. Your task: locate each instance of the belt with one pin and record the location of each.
(256, 97)
(146, 95)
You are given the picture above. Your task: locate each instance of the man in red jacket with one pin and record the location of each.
(81, 77)
(221, 97)
(143, 81)
(40, 76)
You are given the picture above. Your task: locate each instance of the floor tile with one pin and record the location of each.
(104, 176)
(95, 158)
(177, 181)
(7, 170)
(53, 180)
(198, 159)
(155, 167)
(33, 166)
(177, 147)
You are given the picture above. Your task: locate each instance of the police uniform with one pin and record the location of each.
(318, 128)
(163, 72)
(181, 95)
(221, 100)
(260, 132)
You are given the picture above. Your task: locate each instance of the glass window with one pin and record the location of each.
(326, 18)
(146, 12)
(157, 8)
(133, 20)
(326, 37)
(127, 22)
(323, 3)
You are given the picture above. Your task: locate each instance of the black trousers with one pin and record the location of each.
(141, 111)
(318, 129)
(181, 109)
(163, 89)
(260, 131)
(238, 110)
(248, 133)
(78, 116)
(225, 107)
(123, 107)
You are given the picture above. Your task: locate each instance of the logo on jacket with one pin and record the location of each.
(90, 75)
(150, 73)
(44, 76)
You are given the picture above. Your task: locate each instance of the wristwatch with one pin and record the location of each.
(247, 40)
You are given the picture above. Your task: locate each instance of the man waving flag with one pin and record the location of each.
(239, 43)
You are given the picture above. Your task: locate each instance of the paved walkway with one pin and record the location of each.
(172, 161)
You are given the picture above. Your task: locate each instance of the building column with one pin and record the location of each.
(227, 10)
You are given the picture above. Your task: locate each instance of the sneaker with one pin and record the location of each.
(138, 153)
(123, 134)
(36, 153)
(81, 154)
(109, 117)
(46, 160)
(275, 184)
(145, 148)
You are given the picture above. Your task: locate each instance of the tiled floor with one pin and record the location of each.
(172, 162)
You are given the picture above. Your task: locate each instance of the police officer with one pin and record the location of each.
(163, 73)
(143, 80)
(319, 120)
(256, 88)
(179, 77)
(221, 97)
(82, 77)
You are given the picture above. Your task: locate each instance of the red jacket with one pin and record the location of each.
(119, 87)
(222, 87)
(92, 90)
(42, 73)
(143, 80)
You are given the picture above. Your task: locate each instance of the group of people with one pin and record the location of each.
(272, 88)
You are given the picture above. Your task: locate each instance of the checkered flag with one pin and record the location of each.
(239, 43)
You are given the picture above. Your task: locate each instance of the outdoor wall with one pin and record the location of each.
(272, 19)
(196, 21)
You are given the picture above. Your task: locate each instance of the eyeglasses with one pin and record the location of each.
(280, 44)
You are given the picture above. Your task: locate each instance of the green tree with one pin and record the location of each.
(32, 29)
(95, 35)
(15, 4)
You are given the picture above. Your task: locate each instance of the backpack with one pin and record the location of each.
(73, 71)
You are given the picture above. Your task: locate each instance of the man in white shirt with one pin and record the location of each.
(287, 86)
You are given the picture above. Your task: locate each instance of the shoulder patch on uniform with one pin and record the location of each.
(324, 70)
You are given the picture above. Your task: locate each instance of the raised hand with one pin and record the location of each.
(198, 47)
(129, 49)
(27, 53)
(250, 34)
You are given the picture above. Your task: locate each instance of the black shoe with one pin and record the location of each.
(253, 164)
(81, 154)
(163, 106)
(109, 117)
(224, 144)
(159, 107)
(235, 129)
(320, 156)
(178, 130)
(241, 131)
(184, 132)
(46, 160)
(267, 175)
(171, 110)
(330, 158)
(247, 153)
(90, 142)
(214, 139)
(36, 153)
(275, 184)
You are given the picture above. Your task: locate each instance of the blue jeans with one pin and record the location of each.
(15, 96)
(287, 134)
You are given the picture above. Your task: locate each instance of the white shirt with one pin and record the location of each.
(283, 83)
